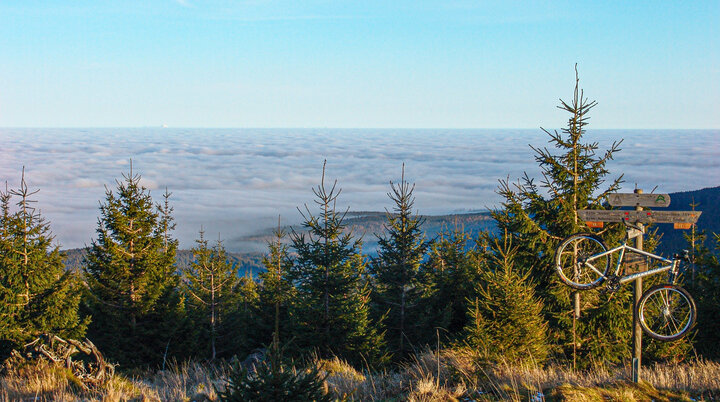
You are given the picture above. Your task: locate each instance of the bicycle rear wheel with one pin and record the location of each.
(666, 312)
(577, 263)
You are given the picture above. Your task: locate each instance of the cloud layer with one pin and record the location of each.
(236, 181)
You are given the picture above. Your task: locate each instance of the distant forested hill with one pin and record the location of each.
(369, 223)
(707, 200)
(251, 262)
(365, 224)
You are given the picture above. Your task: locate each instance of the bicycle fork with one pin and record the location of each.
(673, 272)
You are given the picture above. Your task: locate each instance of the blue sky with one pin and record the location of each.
(451, 64)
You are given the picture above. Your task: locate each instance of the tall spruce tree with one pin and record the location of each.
(209, 282)
(131, 277)
(705, 288)
(276, 291)
(505, 318)
(398, 288)
(171, 310)
(448, 275)
(37, 294)
(329, 274)
(247, 334)
(539, 216)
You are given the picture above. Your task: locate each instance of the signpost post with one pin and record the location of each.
(637, 331)
(638, 217)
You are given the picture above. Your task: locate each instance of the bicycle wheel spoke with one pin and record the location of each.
(678, 306)
(674, 323)
(664, 296)
(688, 316)
(667, 316)
(659, 305)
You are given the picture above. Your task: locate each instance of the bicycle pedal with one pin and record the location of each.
(609, 291)
(613, 283)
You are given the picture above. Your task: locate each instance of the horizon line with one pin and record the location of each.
(337, 128)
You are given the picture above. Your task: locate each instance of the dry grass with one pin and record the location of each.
(620, 391)
(698, 375)
(187, 381)
(182, 382)
(697, 378)
(414, 381)
(458, 378)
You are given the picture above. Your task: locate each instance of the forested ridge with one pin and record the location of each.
(370, 223)
(493, 292)
(252, 262)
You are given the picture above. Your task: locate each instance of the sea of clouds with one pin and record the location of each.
(236, 182)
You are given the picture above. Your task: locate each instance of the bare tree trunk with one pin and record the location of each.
(576, 316)
(576, 296)
(402, 321)
(26, 274)
(133, 291)
(276, 335)
(212, 314)
(327, 271)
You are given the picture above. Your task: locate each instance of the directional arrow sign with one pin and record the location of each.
(638, 200)
(593, 215)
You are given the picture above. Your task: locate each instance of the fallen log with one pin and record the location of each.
(89, 366)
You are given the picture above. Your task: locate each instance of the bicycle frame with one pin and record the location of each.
(628, 278)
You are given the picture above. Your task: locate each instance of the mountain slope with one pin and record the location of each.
(707, 200)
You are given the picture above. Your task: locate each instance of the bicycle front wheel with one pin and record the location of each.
(580, 262)
(666, 312)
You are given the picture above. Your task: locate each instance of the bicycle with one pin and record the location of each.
(666, 312)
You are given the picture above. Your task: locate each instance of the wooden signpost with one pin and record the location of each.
(639, 200)
(645, 217)
(638, 218)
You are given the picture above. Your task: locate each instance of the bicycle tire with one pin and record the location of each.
(666, 312)
(583, 276)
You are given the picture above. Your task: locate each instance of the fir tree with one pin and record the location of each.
(398, 288)
(706, 291)
(697, 246)
(171, 309)
(247, 335)
(276, 290)
(505, 318)
(539, 216)
(37, 294)
(448, 276)
(333, 295)
(274, 380)
(131, 276)
(209, 283)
